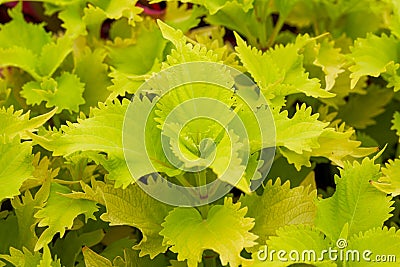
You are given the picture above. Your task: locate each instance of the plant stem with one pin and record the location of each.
(210, 259)
(183, 180)
(277, 29)
(201, 180)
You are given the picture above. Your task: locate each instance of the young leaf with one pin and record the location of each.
(64, 92)
(355, 202)
(278, 206)
(130, 207)
(225, 231)
(57, 218)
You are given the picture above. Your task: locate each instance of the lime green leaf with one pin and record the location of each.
(101, 132)
(56, 217)
(213, 39)
(127, 83)
(93, 18)
(297, 238)
(367, 106)
(70, 246)
(52, 55)
(285, 6)
(228, 146)
(181, 17)
(22, 258)
(189, 52)
(41, 174)
(355, 202)
(93, 72)
(396, 123)
(138, 57)
(19, 57)
(132, 259)
(32, 48)
(331, 61)
(130, 207)
(299, 133)
(15, 166)
(121, 8)
(380, 242)
(390, 181)
(152, 144)
(47, 260)
(30, 36)
(72, 20)
(233, 17)
(26, 258)
(279, 72)
(214, 6)
(64, 92)
(225, 231)
(117, 248)
(25, 208)
(338, 145)
(78, 17)
(278, 206)
(92, 259)
(372, 55)
(342, 89)
(17, 124)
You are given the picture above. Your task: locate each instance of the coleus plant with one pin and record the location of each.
(329, 76)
